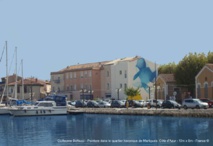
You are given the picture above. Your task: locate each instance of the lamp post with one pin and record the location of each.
(118, 90)
(91, 94)
(83, 91)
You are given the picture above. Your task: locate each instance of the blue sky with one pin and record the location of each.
(52, 34)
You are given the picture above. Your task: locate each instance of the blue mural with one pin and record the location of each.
(145, 74)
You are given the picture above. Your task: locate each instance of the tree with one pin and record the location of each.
(132, 92)
(167, 68)
(210, 57)
(188, 68)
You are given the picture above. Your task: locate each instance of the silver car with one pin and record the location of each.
(194, 103)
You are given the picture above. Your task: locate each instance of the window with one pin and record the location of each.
(82, 86)
(90, 73)
(206, 90)
(71, 88)
(67, 75)
(120, 72)
(85, 73)
(198, 91)
(70, 75)
(107, 86)
(125, 86)
(74, 74)
(125, 75)
(75, 87)
(120, 85)
(82, 74)
(107, 73)
(68, 88)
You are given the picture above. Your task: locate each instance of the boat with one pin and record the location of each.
(50, 105)
(41, 108)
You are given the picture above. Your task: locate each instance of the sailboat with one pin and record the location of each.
(10, 102)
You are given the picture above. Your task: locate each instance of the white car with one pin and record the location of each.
(194, 103)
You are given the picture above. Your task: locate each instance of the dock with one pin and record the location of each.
(208, 113)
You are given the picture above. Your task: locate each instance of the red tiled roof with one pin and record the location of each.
(167, 77)
(29, 81)
(96, 65)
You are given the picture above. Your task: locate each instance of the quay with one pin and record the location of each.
(208, 113)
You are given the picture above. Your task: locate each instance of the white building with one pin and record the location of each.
(127, 72)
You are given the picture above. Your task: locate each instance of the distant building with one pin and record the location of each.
(11, 79)
(204, 82)
(106, 79)
(33, 89)
(123, 73)
(82, 81)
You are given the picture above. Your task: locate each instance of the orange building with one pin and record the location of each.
(82, 81)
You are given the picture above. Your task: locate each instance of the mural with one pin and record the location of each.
(144, 74)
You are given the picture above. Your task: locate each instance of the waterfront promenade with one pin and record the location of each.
(208, 113)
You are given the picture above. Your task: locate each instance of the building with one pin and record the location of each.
(31, 89)
(135, 72)
(167, 88)
(107, 79)
(204, 82)
(11, 79)
(81, 81)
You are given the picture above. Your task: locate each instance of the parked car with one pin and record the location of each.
(80, 103)
(92, 103)
(210, 102)
(104, 104)
(194, 103)
(154, 102)
(138, 103)
(71, 103)
(170, 104)
(117, 103)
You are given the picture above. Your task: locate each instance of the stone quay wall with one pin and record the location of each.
(208, 113)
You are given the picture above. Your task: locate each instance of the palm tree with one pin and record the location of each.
(131, 92)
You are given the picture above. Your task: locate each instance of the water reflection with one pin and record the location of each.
(78, 129)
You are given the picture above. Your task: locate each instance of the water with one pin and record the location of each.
(105, 130)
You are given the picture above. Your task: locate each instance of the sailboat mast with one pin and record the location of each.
(16, 74)
(6, 70)
(22, 87)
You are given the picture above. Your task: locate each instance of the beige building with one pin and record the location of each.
(33, 89)
(204, 82)
(82, 81)
(167, 88)
(165, 85)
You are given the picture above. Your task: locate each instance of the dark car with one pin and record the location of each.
(117, 103)
(137, 103)
(170, 104)
(92, 103)
(210, 102)
(80, 103)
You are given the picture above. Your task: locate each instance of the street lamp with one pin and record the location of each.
(91, 94)
(118, 90)
(83, 91)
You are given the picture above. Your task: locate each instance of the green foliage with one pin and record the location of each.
(132, 92)
(210, 57)
(167, 68)
(188, 68)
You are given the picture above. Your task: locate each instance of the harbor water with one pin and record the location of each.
(105, 130)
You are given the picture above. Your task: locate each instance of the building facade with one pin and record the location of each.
(82, 81)
(204, 82)
(105, 80)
